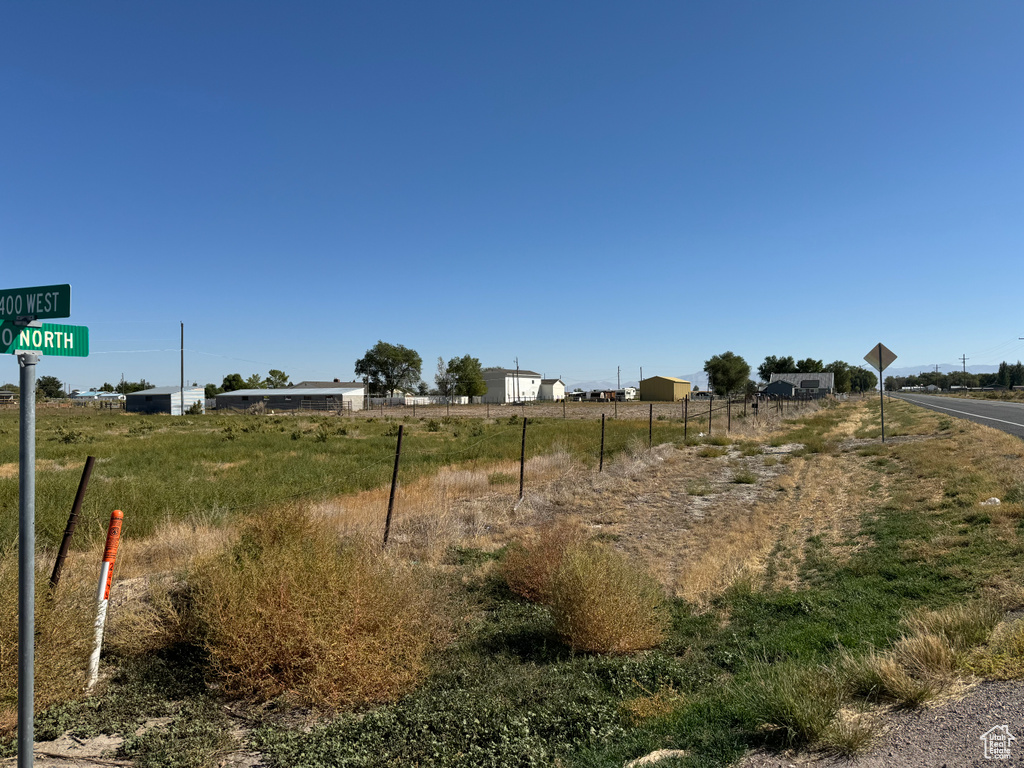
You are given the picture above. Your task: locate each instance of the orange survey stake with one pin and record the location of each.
(110, 551)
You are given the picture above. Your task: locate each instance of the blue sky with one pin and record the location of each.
(579, 185)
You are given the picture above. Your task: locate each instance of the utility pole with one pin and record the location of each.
(964, 359)
(182, 401)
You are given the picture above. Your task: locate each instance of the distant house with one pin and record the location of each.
(551, 389)
(664, 389)
(7, 396)
(164, 400)
(329, 398)
(779, 389)
(507, 385)
(813, 384)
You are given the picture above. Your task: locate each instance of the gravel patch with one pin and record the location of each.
(944, 736)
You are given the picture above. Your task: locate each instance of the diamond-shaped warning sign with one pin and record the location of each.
(880, 357)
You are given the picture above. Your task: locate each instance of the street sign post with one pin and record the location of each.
(21, 333)
(881, 358)
(46, 339)
(40, 302)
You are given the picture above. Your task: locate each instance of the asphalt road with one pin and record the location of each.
(1009, 417)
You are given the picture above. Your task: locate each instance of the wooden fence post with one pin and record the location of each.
(522, 461)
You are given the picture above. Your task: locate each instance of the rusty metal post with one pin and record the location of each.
(394, 482)
(69, 530)
(563, 409)
(728, 412)
(522, 461)
(686, 415)
(711, 409)
(650, 427)
(600, 467)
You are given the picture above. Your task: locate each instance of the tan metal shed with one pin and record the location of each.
(664, 389)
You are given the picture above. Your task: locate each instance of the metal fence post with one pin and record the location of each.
(650, 427)
(600, 467)
(69, 530)
(394, 482)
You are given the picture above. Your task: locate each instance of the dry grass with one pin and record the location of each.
(64, 623)
(602, 602)
(939, 650)
(8, 471)
(459, 505)
(1003, 657)
(289, 609)
(529, 568)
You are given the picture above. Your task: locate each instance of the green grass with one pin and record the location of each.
(760, 668)
(156, 468)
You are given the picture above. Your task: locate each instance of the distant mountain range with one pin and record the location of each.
(914, 370)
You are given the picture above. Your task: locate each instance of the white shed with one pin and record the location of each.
(507, 385)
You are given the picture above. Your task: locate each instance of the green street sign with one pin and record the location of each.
(35, 303)
(49, 339)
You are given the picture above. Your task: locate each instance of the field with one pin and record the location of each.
(776, 587)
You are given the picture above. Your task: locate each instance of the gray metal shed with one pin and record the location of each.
(294, 399)
(164, 400)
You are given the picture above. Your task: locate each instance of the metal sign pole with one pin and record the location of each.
(881, 389)
(26, 559)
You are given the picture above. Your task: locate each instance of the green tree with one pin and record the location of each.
(388, 367)
(444, 379)
(127, 387)
(255, 382)
(49, 386)
(232, 382)
(727, 373)
(10, 388)
(212, 390)
(773, 364)
(810, 365)
(469, 376)
(841, 375)
(107, 387)
(862, 380)
(1003, 375)
(276, 379)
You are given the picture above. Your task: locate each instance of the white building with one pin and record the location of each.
(506, 385)
(551, 389)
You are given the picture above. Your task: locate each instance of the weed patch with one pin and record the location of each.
(291, 610)
(603, 603)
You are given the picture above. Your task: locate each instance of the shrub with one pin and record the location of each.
(290, 609)
(744, 476)
(963, 626)
(529, 569)
(602, 602)
(712, 452)
(64, 635)
(797, 704)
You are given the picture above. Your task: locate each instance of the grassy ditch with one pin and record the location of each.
(897, 603)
